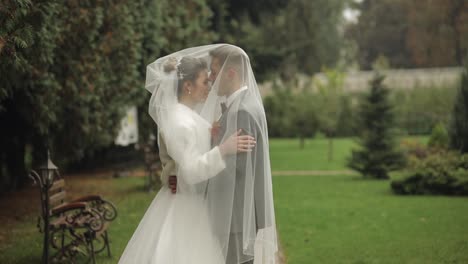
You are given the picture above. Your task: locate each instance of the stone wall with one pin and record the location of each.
(395, 79)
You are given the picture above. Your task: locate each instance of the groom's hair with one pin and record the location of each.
(231, 56)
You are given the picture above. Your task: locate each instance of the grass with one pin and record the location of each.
(344, 219)
(321, 219)
(285, 154)
(23, 242)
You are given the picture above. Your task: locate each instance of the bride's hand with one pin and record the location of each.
(237, 144)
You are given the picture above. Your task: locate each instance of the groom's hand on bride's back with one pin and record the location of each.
(173, 183)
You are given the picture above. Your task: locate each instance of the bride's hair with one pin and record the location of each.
(187, 70)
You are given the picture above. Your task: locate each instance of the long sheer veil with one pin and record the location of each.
(239, 198)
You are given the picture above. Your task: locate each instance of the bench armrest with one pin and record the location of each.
(88, 198)
(67, 207)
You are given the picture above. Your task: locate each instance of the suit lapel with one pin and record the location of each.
(223, 119)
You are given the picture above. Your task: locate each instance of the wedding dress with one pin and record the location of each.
(176, 228)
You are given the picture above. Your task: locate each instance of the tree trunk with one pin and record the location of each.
(39, 151)
(456, 11)
(13, 146)
(301, 142)
(16, 168)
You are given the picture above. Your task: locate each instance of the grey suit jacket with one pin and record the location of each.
(247, 123)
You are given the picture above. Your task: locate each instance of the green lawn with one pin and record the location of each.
(286, 154)
(321, 219)
(128, 196)
(344, 219)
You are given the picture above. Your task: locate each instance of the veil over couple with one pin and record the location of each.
(212, 136)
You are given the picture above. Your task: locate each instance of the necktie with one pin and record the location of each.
(223, 107)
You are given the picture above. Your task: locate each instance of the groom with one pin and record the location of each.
(228, 72)
(228, 64)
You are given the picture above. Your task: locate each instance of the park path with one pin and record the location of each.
(312, 172)
(142, 172)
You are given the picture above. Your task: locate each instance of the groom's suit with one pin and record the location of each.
(246, 122)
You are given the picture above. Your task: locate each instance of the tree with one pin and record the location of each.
(291, 114)
(27, 88)
(283, 36)
(380, 31)
(304, 116)
(378, 153)
(411, 33)
(439, 137)
(166, 27)
(436, 33)
(279, 109)
(346, 120)
(77, 66)
(459, 123)
(330, 91)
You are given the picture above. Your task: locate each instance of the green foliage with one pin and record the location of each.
(290, 115)
(378, 153)
(301, 114)
(303, 37)
(380, 32)
(166, 27)
(346, 123)
(410, 33)
(77, 66)
(414, 150)
(329, 94)
(28, 89)
(419, 109)
(439, 137)
(459, 121)
(439, 173)
(16, 34)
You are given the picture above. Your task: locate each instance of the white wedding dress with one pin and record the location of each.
(176, 228)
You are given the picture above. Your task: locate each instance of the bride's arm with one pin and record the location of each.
(168, 164)
(194, 166)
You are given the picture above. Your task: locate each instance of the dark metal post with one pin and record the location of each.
(45, 178)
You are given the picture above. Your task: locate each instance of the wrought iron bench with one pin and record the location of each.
(77, 229)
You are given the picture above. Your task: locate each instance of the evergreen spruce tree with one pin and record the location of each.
(378, 153)
(459, 123)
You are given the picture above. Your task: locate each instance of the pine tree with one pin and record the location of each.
(459, 124)
(378, 154)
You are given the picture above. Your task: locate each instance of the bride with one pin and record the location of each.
(177, 228)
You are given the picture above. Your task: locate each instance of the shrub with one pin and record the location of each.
(442, 172)
(413, 148)
(439, 137)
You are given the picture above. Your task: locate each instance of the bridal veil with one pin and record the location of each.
(239, 199)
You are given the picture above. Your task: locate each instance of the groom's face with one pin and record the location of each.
(215, 69)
